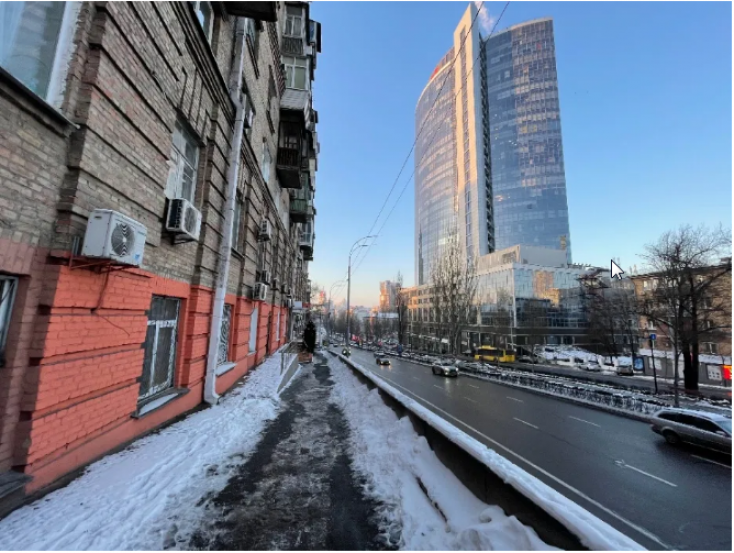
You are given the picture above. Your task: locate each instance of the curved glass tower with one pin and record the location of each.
(526, 168)
(435, 163)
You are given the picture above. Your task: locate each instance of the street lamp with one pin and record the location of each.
(356, 245)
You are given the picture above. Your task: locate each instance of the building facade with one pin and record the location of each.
(388, 295)
(191, 126)
(489, 153)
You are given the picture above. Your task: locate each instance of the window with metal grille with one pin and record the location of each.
(253, 331)
(8, 286)
(159, 362)
(223, 351)
(182, 165)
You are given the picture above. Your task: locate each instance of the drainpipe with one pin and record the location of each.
(225, 246)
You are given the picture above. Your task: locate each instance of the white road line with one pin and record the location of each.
(473, 386)
(542, 471)
(525, 422)
(416, 378)
(515, 399)
(468, 398)
(437, 386)
(710, 461)
(626, 466)
(582, 420)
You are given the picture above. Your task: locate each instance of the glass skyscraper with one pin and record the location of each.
(489, 161)
(435, 175)
(525, 148)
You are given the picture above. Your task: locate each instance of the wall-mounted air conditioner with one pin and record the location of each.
(112, 235)
(260, 292)
(266, 231)
(265, 277)
(183, 218)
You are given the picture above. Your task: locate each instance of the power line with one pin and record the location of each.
(420, 131)
(464, 84)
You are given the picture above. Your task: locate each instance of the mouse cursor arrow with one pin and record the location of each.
(616, 270)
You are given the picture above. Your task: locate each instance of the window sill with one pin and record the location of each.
(238, 254)
(156, 402)
(222, 369)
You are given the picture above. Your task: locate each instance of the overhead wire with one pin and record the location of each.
(464, 84)
(358, 259)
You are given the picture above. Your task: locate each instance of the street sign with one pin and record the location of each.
(653, 336)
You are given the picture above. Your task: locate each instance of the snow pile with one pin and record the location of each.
(135, 498)
(593, 532)
(395, 462)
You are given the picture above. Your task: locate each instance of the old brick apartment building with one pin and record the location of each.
(191, 125)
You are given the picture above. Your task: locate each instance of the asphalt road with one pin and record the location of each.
(662, 496)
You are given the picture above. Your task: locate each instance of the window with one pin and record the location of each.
(265, 165)
(710, 347)
(277, 326)
(8, 286)
(294, 21)
(295, 72)
(159, 359)
(183, 163)
(34, 44)
(223, 349)
(205, 16)
(253, 331)
(237, 222)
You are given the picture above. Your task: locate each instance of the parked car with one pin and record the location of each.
(382, 359)
(526, 359)
(591, 366)
(700, 428)
(624, 370)
(445, 368)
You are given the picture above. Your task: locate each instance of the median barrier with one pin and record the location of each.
(557, 520)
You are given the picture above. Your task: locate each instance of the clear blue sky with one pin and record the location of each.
(646, 116)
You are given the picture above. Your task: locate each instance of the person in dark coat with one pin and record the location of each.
(309, 336)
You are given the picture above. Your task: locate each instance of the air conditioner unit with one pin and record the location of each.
(265, 277)
(260, 292)
(183, 218)
(266, 231)
(275, 282)
(112, 235)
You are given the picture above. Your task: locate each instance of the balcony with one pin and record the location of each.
(306, 245)
(288, 162)
(301, 210)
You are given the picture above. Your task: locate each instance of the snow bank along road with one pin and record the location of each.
(660, 496)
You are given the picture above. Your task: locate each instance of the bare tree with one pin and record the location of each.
(454, 283)
(613, 314)
(401, 308)
(686, 267)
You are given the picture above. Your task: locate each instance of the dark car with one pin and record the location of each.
(700, 428)
(445, 368)
(382, 360)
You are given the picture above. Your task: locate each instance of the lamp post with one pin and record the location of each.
(356, 245)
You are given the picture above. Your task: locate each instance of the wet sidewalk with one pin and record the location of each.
(297, 490)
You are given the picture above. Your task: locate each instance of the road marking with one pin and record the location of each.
(470, 399)
(416, 378)
(515, 399)
(582, 420)
(437, 386)
(626, 466)
(710, 461)
(473, 386)
(525, 422)
(649, 535)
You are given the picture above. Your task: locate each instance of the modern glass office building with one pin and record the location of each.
(435, 175)
(489, 160)
(527, 174)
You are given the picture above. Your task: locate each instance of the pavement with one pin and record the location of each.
(297, 491)
(617, 468)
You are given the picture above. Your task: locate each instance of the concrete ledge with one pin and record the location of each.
(472, 470)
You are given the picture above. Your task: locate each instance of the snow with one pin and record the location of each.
(593, 532)
(133, 499)
(392, 458)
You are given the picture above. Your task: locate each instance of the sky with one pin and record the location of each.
(646, 114)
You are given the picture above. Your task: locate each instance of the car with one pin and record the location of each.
(382, 359)
(624, 370)
(525, 359)
(591, 366)
(699, 428)
(445, 368)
